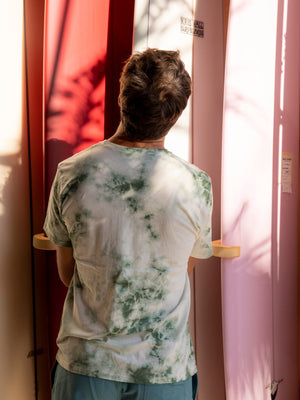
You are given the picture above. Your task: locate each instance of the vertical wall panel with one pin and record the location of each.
(261, 120)
(119, 48)
(247, 198)
(17, 378)
(34, 32)
(285, 201)
(208, 75)
(197, 136)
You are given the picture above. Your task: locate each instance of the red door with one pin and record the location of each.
(85, 45)
(77, 70)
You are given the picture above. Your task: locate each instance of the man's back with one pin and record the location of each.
(132, 216)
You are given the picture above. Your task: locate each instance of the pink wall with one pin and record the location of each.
(286, 205)
(260, 289)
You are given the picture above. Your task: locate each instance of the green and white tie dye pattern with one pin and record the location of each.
(133, 217)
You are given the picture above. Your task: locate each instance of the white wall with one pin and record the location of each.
(16, 315)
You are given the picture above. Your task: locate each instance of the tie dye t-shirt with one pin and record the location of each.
(133, 217)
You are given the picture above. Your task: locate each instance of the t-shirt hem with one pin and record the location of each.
(121, 377)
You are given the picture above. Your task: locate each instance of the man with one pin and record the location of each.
(126, 215)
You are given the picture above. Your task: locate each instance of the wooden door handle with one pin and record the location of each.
(223, 251)
(42, 242)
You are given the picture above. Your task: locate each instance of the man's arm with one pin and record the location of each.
(191, 264)
(65, 264)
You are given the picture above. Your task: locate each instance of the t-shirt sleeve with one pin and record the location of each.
(202, 247)
(54, 225)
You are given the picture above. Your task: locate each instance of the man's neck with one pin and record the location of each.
(120, 138)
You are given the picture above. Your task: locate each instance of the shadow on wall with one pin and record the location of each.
(74, 116)
(75, 108)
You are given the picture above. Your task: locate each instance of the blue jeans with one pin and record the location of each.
(70, 386)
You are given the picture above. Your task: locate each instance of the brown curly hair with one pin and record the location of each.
(154, 90)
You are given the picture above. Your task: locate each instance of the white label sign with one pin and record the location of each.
(287, 172)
